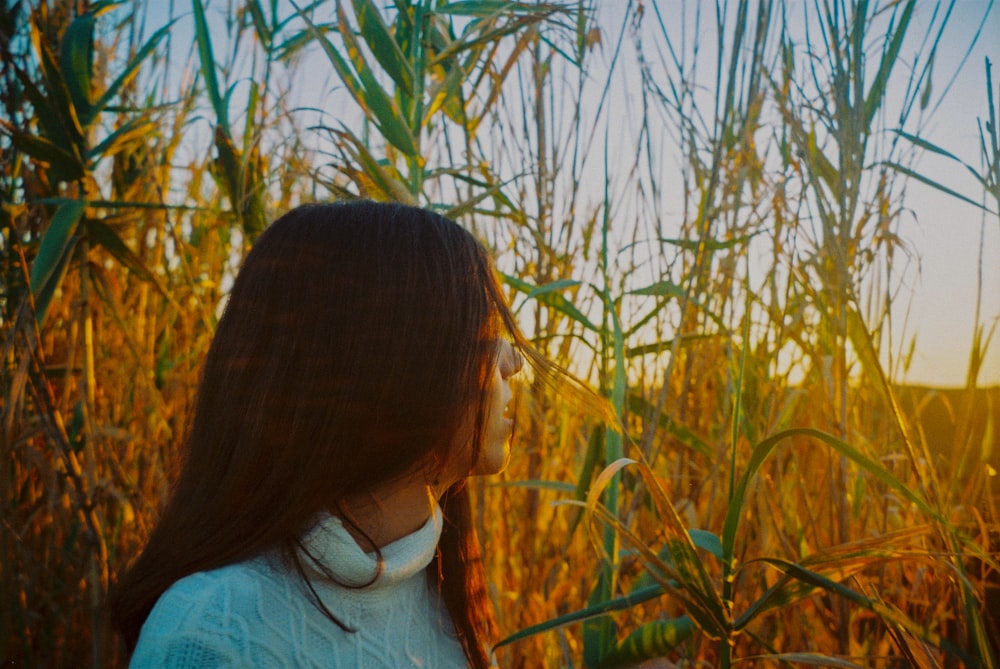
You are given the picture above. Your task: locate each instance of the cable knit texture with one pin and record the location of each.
(258, 614)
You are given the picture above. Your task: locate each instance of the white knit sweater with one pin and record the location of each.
(257, 614)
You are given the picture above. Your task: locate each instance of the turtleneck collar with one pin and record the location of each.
(329, 550)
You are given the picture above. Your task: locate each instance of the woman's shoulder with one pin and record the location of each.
(224, 591)
(234, 576)
(214, 619)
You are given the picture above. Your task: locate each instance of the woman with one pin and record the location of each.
(359, 373)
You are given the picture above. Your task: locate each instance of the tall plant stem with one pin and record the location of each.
(418, 56)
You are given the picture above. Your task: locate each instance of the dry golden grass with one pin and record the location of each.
(703, 363)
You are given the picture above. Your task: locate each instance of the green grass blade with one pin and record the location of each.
(49, 123)
(599, 633)
(479, 40)
(887, 614)
(260, 25)
(703, 539)
(131, 69)
(595, 446)
(50, 264)
(59, 103)
(366, 92)
(683, 574)
(487, 186)
(205, 52)
(889, 57)
(447, 94)
(689, 565)
(601, 609)
(375, 102)
(992, 155)
(709, 244)
(383, 176)
(837, 563)
(76, 60)
(287, 49)
(764, 449)
(707, 541)
(937, 185)
(103, 6)
(465, 206)
(667, 287)
(814, 659)
(651, 640)
(339, 64)
(934, 148)
(491, 8)
(553, 286)
(929, 146)
(551, 299)
(663, 287)
(134, 131)
(63, 165)
(102, 234)
(383, 46)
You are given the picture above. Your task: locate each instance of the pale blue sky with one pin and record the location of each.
(943, 231)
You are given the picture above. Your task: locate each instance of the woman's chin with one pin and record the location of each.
(492, 460)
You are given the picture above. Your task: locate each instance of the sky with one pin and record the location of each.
(946, 231)
(956, 247)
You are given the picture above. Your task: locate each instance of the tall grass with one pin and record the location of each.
(719, 261)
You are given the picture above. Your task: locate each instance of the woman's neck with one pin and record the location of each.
(390, 512)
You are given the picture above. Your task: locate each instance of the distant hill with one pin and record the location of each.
(953, 420)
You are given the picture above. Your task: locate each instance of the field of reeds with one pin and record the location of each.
(697, 207)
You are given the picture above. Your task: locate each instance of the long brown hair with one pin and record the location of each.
(354, 341)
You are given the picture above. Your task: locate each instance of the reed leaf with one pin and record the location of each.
(477, 40)
(702, 539)
(550, 298)
(62, 164)
(260, 24)
(125, 138)
(709, 244)
(693, 584)
(838, 564)
(374, 101)
(890, 55)
(49, 266)
(937, 185)
(203, 38)
(492, 8)
(764, 449)
(389, 183)
(62, 121)
(886, 613)
(469, 204)
(383, 46)
(600, 609)
(651, 640)
(103, 235)
(76, 58)
(131, 69)
(813, 659)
